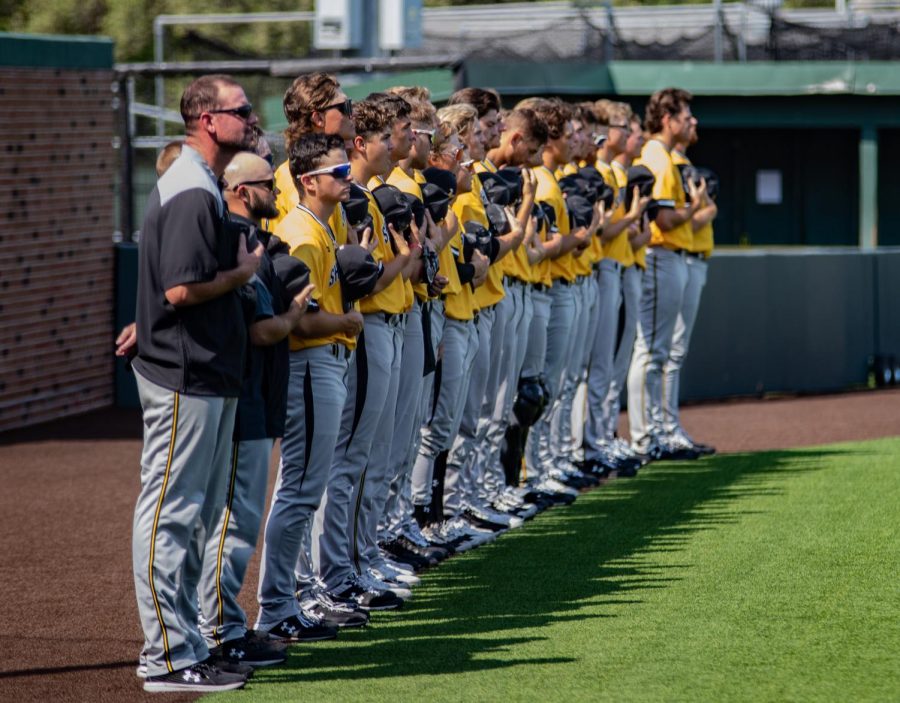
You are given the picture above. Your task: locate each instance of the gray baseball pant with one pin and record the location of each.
(539, 454)
(317, 390)
(567, 447)
(184, 464)
(422, 474)
(684, 327)
(368, 385)
(661, 300)
(372, 493)
(631, 300)
(463, 448)
(460, 343)
(232, 542)
(603, 351)
(409, 412)
(489, 476)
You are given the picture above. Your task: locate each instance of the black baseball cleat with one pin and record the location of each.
(703, 449)
(354, 591)
(400, 549)
(250, 650)
(199, 678)
(302, 628)
(334, 613)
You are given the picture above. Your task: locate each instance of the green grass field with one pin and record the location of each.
(753, 577)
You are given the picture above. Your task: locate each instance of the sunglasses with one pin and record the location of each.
(244, 111)
(454, 152)
(340, 172)
(420, 132)
(467, 164)
(268, 185)
(345, 107)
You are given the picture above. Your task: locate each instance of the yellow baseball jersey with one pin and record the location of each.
(619, 248)
(703, 237)
(459, 305)
(568, 169)
(314, 244)
(669, 191)
(288, 198)
(548, 192)
(469, 207)
(621, 175)
(401, 181)
(393, 298)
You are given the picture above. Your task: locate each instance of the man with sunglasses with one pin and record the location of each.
(344, 539)
(313, 104)
(250, 196)
(321, 349)
(191, 340)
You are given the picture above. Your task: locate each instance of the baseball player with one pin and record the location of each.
(317, 387)
(697, 258)
(345, 543)
(669, 121)
(191, 339)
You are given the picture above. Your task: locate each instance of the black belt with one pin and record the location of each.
(562, 281)
(703, 256)
(339, 351)
(511, 282)
(540, 287)
(394, 319)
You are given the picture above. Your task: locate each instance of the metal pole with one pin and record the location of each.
(159, 81)
(868, 187)
(126, 161)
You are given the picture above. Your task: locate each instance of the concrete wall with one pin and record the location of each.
(792, 321)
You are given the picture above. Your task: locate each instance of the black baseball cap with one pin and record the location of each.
(357, 205)
(581, 212)
(512, 175)
(495, 188)
(497, 219)
(641, 177)
(394, 206)
(436, 200)
(549, 216)
(418, 209)
(358, 271)
(443, 179)
(605, 193)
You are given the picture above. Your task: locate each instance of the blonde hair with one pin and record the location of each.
(461, 117)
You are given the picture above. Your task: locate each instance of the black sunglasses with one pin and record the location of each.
(268, 184)
(345, 107)
(244, 111)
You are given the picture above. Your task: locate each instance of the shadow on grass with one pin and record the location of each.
(598, 553)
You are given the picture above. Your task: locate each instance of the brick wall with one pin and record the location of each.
(56, 254)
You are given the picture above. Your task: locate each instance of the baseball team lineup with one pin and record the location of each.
(434, 312)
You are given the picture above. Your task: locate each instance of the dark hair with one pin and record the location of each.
(528, 121)
(396, 106)
(552, 111)
(371, 117)
(481, 99)
(668, 101)
(309, 93)
(202, 95)
(305, 154)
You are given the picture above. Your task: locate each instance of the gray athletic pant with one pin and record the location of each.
(184, 464)
(603, 350)
(335, 527)
(539, 454)
(460, 343)
(505, 312)
(373, 490)
(464, 444)
(536, 344)
(406, 429)
(632, 279)
(566, 447)
(661, 300)
(574, 449)
(317, 390)
(422, 474)
(490, 478)
(684, 327)
(232, 542)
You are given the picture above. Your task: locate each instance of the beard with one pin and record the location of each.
(262, 208)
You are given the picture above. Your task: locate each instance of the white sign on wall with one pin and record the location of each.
(768, 187)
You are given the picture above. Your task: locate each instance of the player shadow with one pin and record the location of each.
(589, 561)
